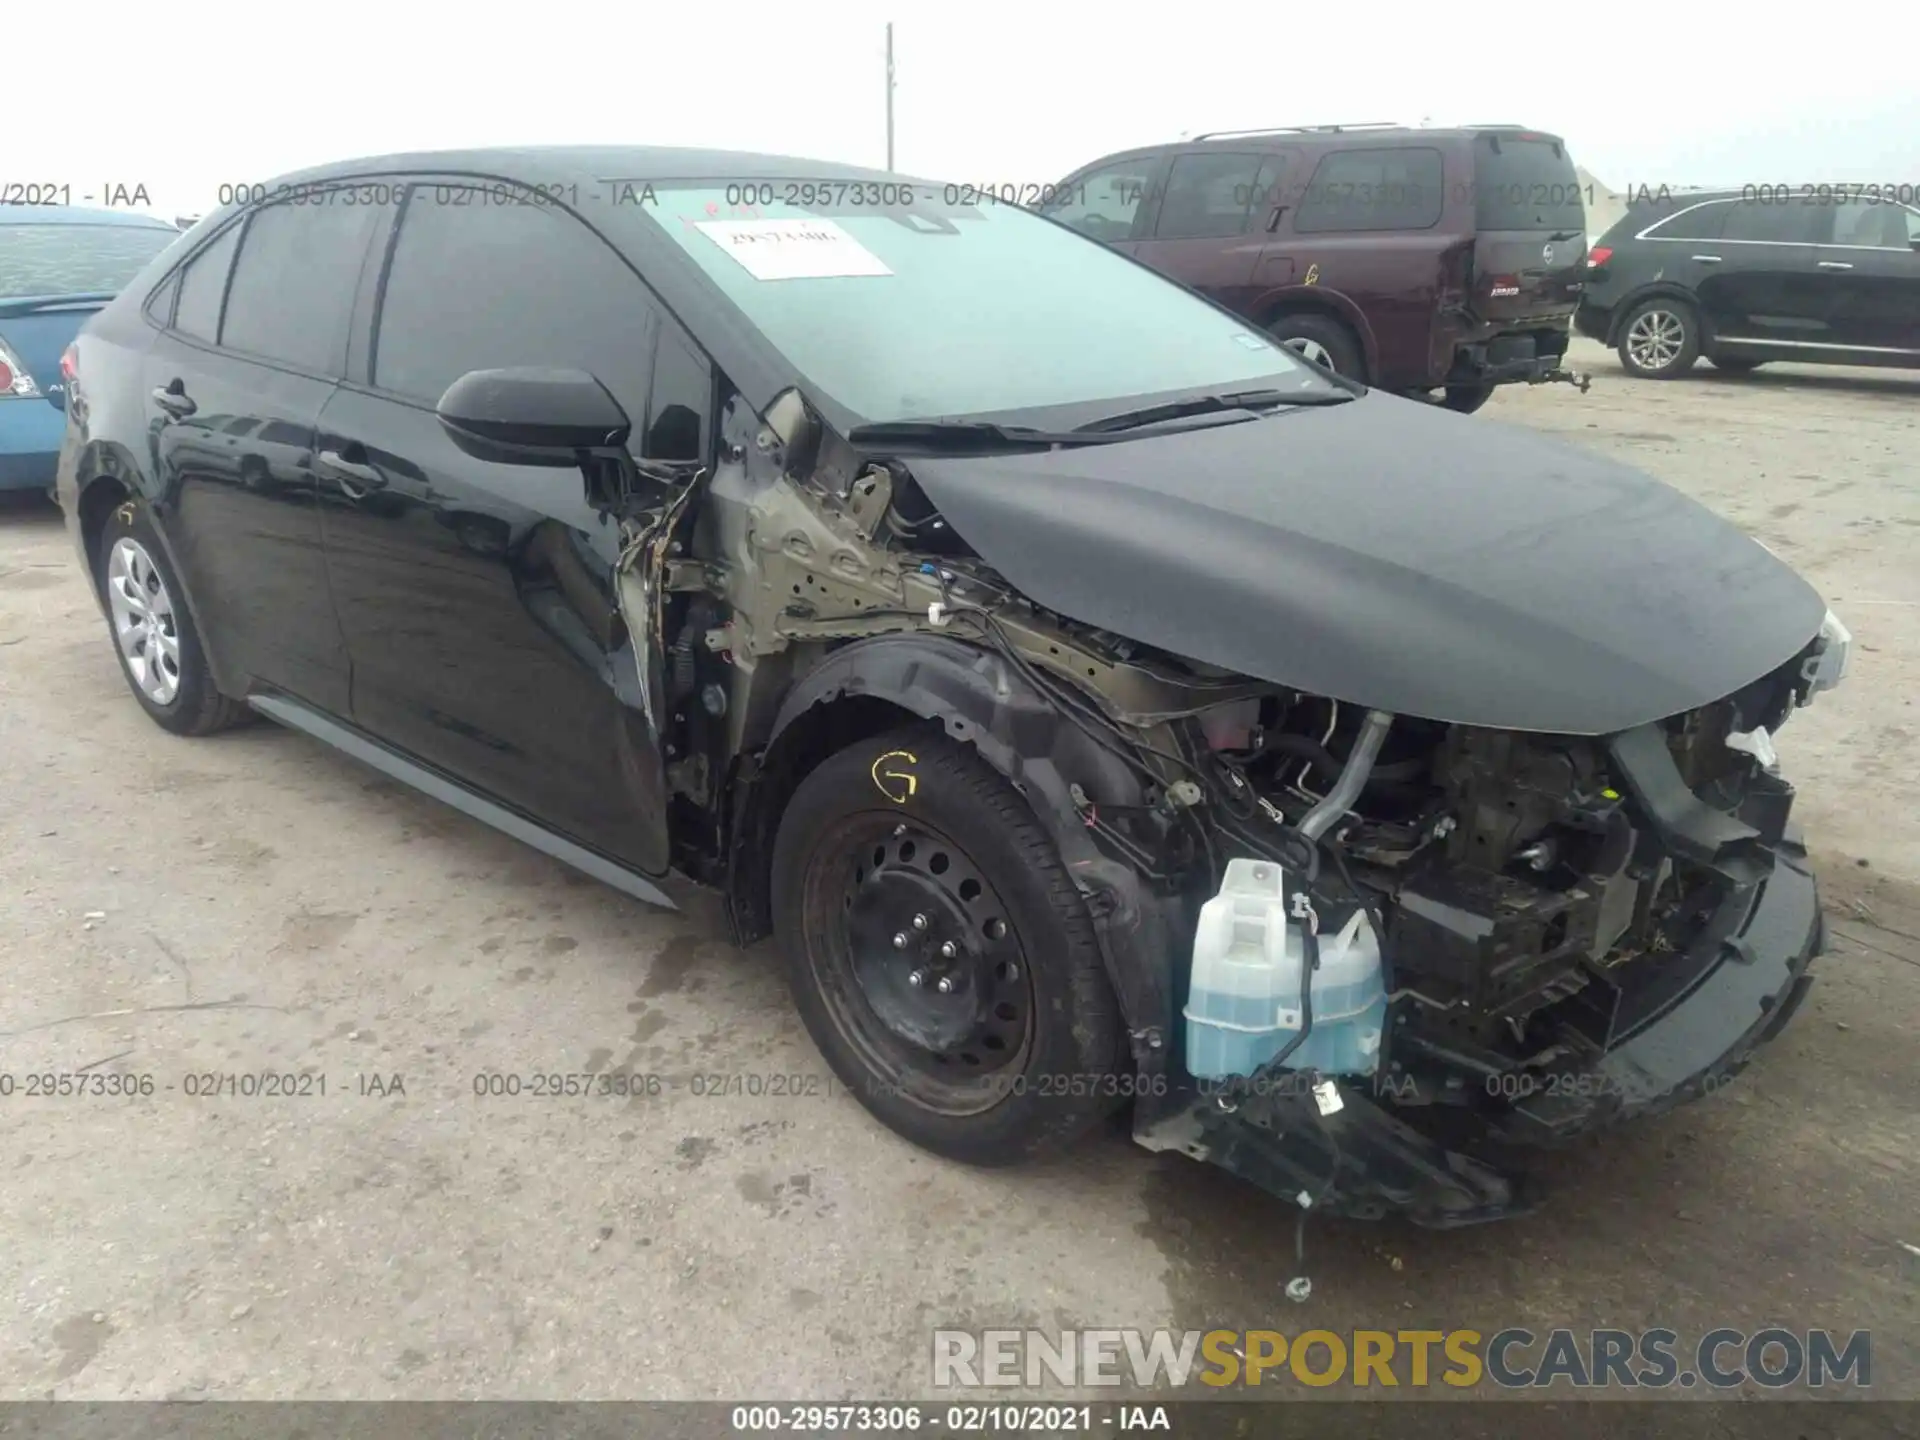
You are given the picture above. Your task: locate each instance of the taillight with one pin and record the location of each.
(15, 381)
(1599, 255)
(70, 363)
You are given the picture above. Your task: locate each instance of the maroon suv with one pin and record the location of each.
(1416, 260)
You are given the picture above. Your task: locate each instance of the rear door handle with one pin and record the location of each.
(1835, 265)
(355, 478)
(1708, 259)
(172, 398)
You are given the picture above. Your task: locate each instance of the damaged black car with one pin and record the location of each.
(1107, 711)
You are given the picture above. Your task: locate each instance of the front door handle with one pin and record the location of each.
(354, 477)
(173, 399)
(1835, 265)
(1708, 259)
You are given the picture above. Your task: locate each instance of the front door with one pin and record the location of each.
(1757, 282)
(479, 599)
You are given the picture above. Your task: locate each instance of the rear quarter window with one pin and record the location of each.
(1526, 184)
(68, 259)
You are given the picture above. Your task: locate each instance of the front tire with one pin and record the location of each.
(152, 630)
(939, 954)
(1659, 339)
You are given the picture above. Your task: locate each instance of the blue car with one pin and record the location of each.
(58, 265)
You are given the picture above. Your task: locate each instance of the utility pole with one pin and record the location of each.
(889, 96)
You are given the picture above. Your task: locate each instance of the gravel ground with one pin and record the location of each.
(257, 902)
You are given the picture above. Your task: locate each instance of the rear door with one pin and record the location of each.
(1530, 223)
(1367, 225)
(1757, 282)
(256, 339)
(1209, 230)
(1113, 202)
(1868, 259)
(479, 599)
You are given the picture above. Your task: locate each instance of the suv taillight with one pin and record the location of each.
(1599, 255)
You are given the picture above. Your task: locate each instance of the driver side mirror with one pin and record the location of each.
(525, 416)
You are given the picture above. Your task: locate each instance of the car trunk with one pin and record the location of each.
(1530, 250)
(39, 338)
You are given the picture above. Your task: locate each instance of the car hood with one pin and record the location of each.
(1395, 555)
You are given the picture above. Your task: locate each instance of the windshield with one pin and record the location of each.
(1526, 184)
(922, 309)
(66, 259)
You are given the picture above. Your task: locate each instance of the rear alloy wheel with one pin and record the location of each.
(1659, 340)
(153, 632)
(1467, 398)
(1322, 340)
(940, 956)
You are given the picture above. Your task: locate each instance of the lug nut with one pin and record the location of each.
(900, 941)
(1013, 971)
(949, 950)
(919, 922)
(944, 985)
(918, 977)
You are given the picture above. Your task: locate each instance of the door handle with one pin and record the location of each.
(1835, 265)
(352, 476)
(172, 398)
(1273, 220)
(1708, 259)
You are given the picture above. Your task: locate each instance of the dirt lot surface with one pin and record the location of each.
(256, 902)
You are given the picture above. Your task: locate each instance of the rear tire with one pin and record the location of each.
(152, 629)
(1323, 340)
(1467, 398)
(948, 875)
(1659, 339)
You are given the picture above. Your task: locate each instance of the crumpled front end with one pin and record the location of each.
(1573, 932)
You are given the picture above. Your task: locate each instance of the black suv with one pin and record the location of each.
(1420, 261)
(1816, 274)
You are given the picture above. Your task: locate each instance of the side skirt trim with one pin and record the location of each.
(369, 751)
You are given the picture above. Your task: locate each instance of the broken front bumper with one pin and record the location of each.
(1730, 991)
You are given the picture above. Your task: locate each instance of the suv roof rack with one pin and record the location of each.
(1303, 129)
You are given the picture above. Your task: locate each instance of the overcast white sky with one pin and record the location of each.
(187, 96)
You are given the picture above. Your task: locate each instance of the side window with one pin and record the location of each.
(1391, 189)
(476, 284)
(1697, 222)
(1860, 222)
(203, 286)
(293, 286)
(1785, 223)
(1104, 203)
(1208, 195)
(680, 407)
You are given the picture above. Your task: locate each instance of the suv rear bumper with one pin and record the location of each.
(1510, 357)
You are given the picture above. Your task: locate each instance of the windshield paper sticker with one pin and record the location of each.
(793, 249)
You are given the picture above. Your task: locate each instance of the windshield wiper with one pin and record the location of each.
(962, 435)
(1209, 404)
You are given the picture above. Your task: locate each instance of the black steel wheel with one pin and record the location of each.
(939, 954)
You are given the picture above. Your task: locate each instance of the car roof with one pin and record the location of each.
(1302, 134)
(600, 162)
(79, 215)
